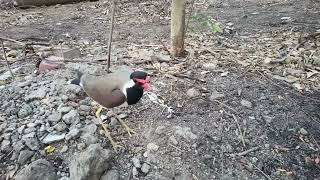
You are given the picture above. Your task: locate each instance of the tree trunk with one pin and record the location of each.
(177, 27)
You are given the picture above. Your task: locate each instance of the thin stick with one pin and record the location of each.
(5, 58)
(241, 135)
(175, 147)
(12, 40)
(230, 108)
(61, 51)
(110, 33)
(268, 177)
(245, 152)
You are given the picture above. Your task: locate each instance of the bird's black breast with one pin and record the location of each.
(134, 94)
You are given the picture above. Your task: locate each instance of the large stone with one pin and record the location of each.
(37, 170)
(50, 138)
(90, 164)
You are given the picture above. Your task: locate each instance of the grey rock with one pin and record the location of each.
(3, 126)
(55, 117)
(89, 139)
(32, 144)
(89, 129)
(246, 103)
(50, 138)
(24, 156)
(64, 149)
(65, 109)
(135, 171)
(25, 111)
(303, 131)
(71, 117)
(152, 147)
(72, 53)
(210, 66)
(111, 175)
(90, 164)
(185, 132)
(85, 108)
(30, 130)
(193, 92)
(38, 94)
(5, 145)
(173, 140)
(37, 170)
(73, 133)
(18, 146)
(21, 128)
(81, 146)
(268, 119)
(136, 162)
(145, 168)
(30, 135)
(61, 126)
(215, 95)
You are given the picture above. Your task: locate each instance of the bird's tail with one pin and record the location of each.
(76, 81)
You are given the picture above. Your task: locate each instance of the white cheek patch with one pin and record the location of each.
(127, 85)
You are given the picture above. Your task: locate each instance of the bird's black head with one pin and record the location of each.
(138, 75)
(142, 83)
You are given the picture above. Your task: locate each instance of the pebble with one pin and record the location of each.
(215, 95)
(71, 117)
(81, 146)
(5, 145)
(160, 130)
(25, 111)
(173, 140)
(89, 129)
(246, 103)
(55, 117)
(64, 110)
(64, 149)
(61, 126)
(24, 156)
(50, 138)
(85, 108)
(152, 147)
(193, 92)
(21, 128)
(303, 131)
(135, 171)
(136, 162)
(89, 139)
(145, 168)
(268, 119)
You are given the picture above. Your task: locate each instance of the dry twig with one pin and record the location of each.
(110, 34)
(245, 152)
(240, 131)
(6, 59)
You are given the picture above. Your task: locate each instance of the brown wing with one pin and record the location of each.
(106, 90)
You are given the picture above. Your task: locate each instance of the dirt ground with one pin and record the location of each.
(242, 103)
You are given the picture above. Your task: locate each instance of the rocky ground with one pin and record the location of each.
(243, 104)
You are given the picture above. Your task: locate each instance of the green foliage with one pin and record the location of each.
(207, 22)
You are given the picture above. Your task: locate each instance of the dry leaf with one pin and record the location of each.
(50, 149)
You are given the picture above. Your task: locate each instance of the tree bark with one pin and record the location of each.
(177, 27)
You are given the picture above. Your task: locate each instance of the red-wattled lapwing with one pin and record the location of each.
(112, 90)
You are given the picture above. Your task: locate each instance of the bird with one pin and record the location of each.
(123, 86)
